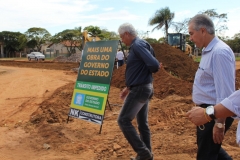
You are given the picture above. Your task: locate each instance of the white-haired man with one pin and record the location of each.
(140, 65)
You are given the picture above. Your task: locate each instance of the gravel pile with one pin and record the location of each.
(73, 58)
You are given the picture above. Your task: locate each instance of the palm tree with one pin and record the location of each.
(162, 18)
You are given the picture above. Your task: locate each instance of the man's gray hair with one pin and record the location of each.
(203, 21)
(127, 27)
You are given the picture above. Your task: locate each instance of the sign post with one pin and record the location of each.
(93, 82)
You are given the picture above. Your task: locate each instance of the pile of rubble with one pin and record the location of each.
(73, 58)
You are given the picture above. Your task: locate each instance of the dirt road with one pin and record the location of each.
(22, 91)
(34, 106)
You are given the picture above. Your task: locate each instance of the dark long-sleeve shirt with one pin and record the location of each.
(141, 63)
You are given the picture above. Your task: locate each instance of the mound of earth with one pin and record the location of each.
(237, 79)
(81, 138)
(175, 77)
(47, 112)
(175, 62)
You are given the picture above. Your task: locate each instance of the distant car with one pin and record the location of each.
(36, 55)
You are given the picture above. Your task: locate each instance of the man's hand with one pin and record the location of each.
(160, 65)
(218, 134)
(124, 93)
(197, 116)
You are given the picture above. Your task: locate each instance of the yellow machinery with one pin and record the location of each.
(188, 49)
(178, 40)
(86, 38)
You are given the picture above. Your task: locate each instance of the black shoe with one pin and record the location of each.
(143, 157)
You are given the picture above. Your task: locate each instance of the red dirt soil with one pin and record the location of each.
(48, 136)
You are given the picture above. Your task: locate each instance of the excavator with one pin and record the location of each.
(178, 40)
(87, 38)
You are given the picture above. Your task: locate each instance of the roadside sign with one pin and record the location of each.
(93, 82)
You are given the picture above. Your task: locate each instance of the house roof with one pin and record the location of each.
(69, 43)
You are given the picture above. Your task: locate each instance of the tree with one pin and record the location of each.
(93, 30)
(12, 42)
(220, 20)
(32, 44)
(108, 35)
(38, 35)
(72, 36)
(162, 40)
(151, 40)
(181, 27)
(162, 18)
(234, 43)
(22, 41)
(142, 34)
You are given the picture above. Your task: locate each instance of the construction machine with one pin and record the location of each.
(178, 40)
(87, 38)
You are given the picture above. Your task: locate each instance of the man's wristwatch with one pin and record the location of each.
(220, 125)
(210, 112)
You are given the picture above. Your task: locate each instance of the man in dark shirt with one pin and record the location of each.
(141, 64)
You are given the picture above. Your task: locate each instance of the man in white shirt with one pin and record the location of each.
(120, 58)
(213, 82)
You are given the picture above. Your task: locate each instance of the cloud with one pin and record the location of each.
(107, 19)
(144, 1)
(108, 9)
(58, 13)
(119, 15)
(233, 10)
(180, 16)
(44, 13)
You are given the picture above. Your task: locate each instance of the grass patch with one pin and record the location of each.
(199, 58)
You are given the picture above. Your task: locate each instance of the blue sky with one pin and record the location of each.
(58, 15)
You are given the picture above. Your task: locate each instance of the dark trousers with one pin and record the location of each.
(136, 105)
(120, 63)
(207, 149)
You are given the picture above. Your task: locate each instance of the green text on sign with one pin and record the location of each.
(94, 87)
(93, 102)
